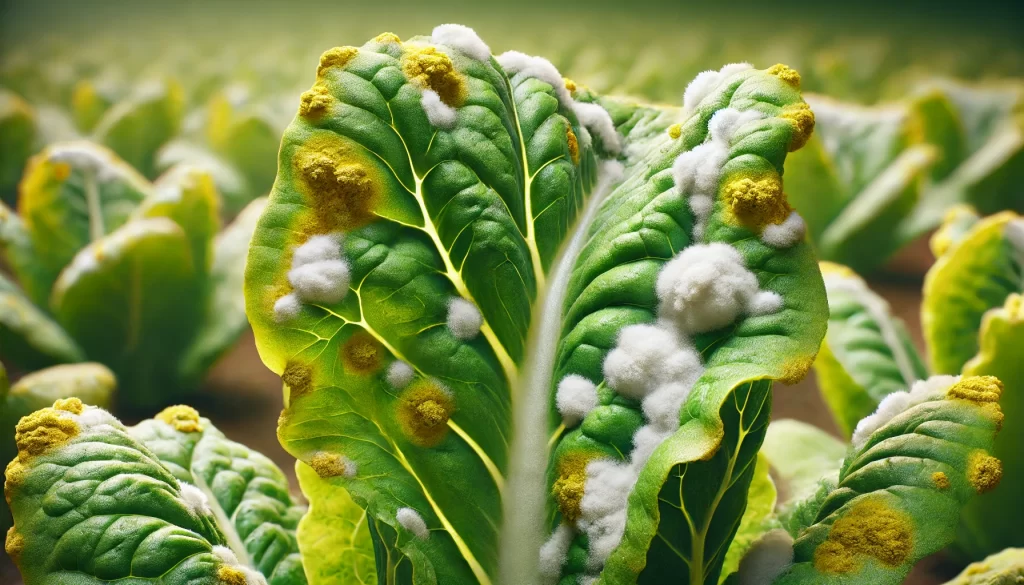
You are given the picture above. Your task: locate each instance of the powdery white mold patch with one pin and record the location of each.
(399, 374)
(554, 553)
(92, 417)
(597, 120)
(646, 357)
(413, 522)
(227, 557)
(514, 62)
(603, 508)
(767, 558)
(707, 286)
(661, 407)
(463, 39)
(318, 275)
(195, 499)
(576, 396)
(897, 403)
(439, 114)
(786, 234)
(464, 319)
(704, 83)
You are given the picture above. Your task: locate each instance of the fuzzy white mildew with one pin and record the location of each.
(227, 557)
(399, 374)
(786, 234)
(764, 302)
(707, 286)
(514, 62)
(287, 308)
(439, 114)
(767, 558)
(646, 439)
(597, 119)
(576, 396)
(318, 248)
(895, 404)
(661, 407)
(554, 552)
(318, 275)
(195, 499)
(646, 357)
(603, 507)
(413, 522)
(704, 83)
(464, 319)
(90, 158)
(462, 38)
(92, 417)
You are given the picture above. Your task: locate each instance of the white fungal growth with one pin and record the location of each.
(661, 407)
(195, 499)
(318, 275)
(704, 83)
(399, 374)
(413, 522)
(897, 403)
(576, 396)
(764, 302)
(463, 39)
(603, 508)
(227, 557)
(767, 558)
(646, 357)
(786, 234)
(93, 417)
(439, 114)
(596, 119)
(464, 319)
(514, 62)
(707, 286)
(554, 552)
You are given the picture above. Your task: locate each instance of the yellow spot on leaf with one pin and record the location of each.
(940, 480)
(328, 464)
(298, 377)
(315, 101)
(423, 411)
(72, 405)
(337, 186)
(869, 529)
(574, 144)
(570, 479)
(675, 131)
(14, 476)
(977, 389)
(361, 354)
(431, 69)
(14, 544)
(984, 471)
(182, 417)
(386, 38)
(230, 576)
(336, 57)
(785, 73)
(801, 118)
(796, 369)
(43, 430)
(943, 238)
(833, 269)
(61, 171)
(757, 202)
(569, 84)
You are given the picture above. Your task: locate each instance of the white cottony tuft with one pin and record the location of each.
(786, 234)
(318, 249)
(764, 302)
(440, 114)
(661, 407)
(413, 522)
(645, 441)
(603, 507)
(226, 555)
(645, 357)
(399, 374)
(514, 62)
(576, 397)
(94, 417)
(287, 308)
(767, 558)
(553, 554)
(597, 119)
(705, 287)
(726, 122)
(464, 319)
(895, 404)
(462, 38)
(704, 83)
(195, 499)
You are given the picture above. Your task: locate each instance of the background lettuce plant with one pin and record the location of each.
(972, 322)
(118, 270)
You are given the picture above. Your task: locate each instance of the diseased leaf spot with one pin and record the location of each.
(298, 377)
(870, 528)
(338, 187)
(569, 484)
(675, 131)
(43, 430)
(569, 84)
(940, 480)
(801, 118)
(984, 471)
(431, 69)
(315, 101)
(14, 476)
(14, 544)
(423, 411)
(412, 521)
(387, 38)
(230, 575)
(757, 201)
(573, 143)
(182, 417)
(72, 405)
(336, 57)
(785, 73)
(332, 465)
(977, 389)
(361, 354)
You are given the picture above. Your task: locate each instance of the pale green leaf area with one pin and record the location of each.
(1003, 568)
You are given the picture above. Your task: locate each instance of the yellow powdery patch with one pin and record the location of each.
(977, 389)
(43, 430)
(423, 411)
(984, 471)
(940, 480)
(230, 575)
(182, 417)
(801, 118)
(361, 354)
(675, 131)
(14, 544)
(315, 101)
(796, 369)
(14, 476)
(574, 144)
(298, 377)
(570, 480)
(785, 73)
(569, 84)
(387, 38)
(72, 405)
(431, 69)
(336, 184)
(757, 201)
(336, 57)
(869, 529)
(328, 465)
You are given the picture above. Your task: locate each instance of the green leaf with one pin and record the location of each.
(73, 194)
(897, 499)
(867, 353)
(1003, 568)
(20, 255)
(93, 504)
(93, 97)
(139, 125)
(800, 456)
(223, 319)
(29, 338)
(133, 299)
(248, 134)
(334, 537)
(975, 275)
(235, 192)
(17, 141)
(757, 518)
(985, 526)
